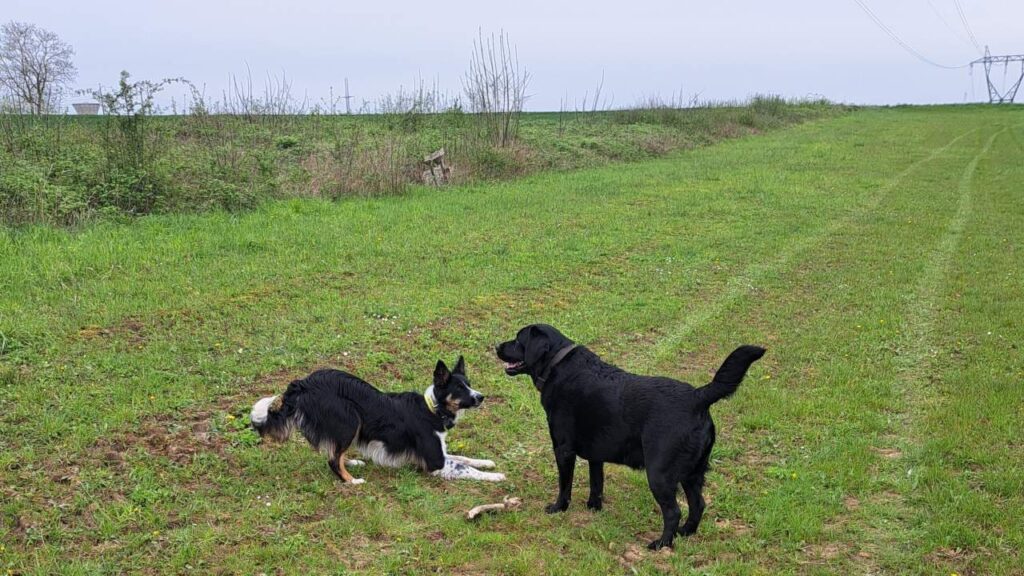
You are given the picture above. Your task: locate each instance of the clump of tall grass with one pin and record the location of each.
(759, 112)
(355, 165)
(407, 109)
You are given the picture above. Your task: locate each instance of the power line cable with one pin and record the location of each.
(963, 18)
(900, 41)
(959, 36)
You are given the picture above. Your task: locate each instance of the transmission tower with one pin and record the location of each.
(348, 98)
(994, 95)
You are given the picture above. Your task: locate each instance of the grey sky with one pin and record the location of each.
(721, 50)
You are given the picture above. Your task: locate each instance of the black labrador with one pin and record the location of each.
(604, 414)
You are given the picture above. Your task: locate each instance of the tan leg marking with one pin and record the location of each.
(345, 474)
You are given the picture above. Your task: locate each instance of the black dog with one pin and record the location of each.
(604, 414)
(335, 409)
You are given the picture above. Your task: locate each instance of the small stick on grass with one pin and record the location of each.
(509, 503)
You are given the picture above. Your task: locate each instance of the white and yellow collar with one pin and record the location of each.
(428, 396)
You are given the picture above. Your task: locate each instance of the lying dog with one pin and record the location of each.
(335, 410)
(604, 414)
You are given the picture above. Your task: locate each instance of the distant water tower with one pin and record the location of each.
(86, 108)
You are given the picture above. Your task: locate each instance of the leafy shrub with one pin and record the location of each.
(133, 145)
(285, 142)
(28, 196)
(492, 163)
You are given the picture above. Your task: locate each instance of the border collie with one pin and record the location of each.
(604, 414)
(334, 410)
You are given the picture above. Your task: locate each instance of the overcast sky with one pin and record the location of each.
(717, 49)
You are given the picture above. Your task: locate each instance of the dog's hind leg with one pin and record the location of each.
(693, 485)
(664, 490)
(343, 433)
(337, 466)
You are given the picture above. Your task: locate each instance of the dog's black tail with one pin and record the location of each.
(274, 416)
(728, 377)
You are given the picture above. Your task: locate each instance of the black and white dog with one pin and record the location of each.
(334, 410)
(602, 413)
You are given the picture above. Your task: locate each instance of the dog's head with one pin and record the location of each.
(532, 349)
(451, 388)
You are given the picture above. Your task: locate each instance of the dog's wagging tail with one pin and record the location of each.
(269, 419)
(728, 377)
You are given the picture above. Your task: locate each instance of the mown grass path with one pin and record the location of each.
(876, 255)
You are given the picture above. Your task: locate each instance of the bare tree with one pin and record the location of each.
(495, 87)
(35, 66)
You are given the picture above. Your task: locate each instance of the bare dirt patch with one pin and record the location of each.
(733, 526)
(130, 329)
(177, 440)
(890, 453)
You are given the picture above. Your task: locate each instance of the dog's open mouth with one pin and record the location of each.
(510, 366)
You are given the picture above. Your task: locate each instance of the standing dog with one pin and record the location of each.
(604, 414)
(335, 410)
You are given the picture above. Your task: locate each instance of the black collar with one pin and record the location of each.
(447, 418)
(440, 410)
(539, 381)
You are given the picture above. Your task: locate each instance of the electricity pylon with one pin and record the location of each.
(994, 95)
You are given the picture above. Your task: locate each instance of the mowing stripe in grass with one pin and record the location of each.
(743, 283)
(915, 360)
(969, 461)
(922, 307)
(831, 390)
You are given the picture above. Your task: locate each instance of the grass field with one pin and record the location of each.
(876, 255)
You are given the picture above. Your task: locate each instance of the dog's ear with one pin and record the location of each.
(537, 346)
(441, 374)
(460, 366)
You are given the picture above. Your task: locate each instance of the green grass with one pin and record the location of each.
(876, 255)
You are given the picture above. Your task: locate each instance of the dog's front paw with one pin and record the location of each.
(493, 476)
(357, 481)
(594, 504)
(659, 544)
(557, 507)
(484, 463)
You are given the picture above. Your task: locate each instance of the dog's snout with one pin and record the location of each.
(478, 398)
